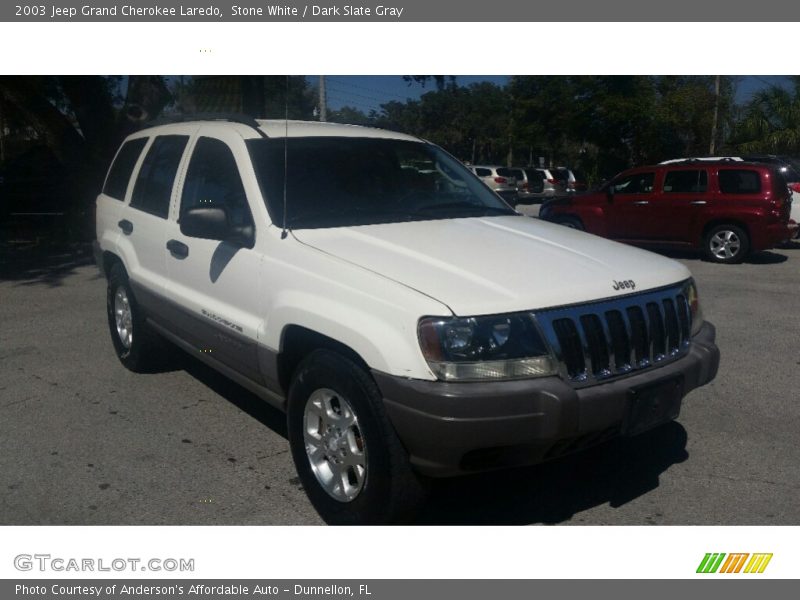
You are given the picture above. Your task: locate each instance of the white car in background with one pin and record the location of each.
(500, 180)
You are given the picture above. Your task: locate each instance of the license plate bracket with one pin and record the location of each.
(652, 405)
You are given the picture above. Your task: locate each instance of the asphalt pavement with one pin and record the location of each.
(84, 441)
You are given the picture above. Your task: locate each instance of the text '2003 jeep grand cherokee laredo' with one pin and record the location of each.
(381, 311)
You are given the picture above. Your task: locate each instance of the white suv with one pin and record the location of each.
(375, 303)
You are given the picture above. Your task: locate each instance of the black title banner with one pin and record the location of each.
(398, 10)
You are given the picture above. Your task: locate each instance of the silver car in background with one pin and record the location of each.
(499, 179)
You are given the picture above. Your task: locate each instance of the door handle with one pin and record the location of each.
(178, 249)
(698, 202)
(126, 226)
(642, 202)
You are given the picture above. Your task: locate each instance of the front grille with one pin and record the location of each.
(598, 341)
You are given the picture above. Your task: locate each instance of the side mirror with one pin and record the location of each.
(610, 193)
(212, 223)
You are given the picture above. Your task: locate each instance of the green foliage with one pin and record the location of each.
(771, 122)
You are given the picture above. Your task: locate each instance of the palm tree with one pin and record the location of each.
(771, 122)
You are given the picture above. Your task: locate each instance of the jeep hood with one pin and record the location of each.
(485, 265)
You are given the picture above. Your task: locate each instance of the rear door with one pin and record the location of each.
(111, 203)
(684, 202)
(143, 221)
(214, 285)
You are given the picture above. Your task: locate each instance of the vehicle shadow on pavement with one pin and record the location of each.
(614, 473)
(42, 264)
(765, 257)
(240, 397)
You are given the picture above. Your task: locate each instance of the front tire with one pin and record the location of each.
(348, 457)
(726, 244)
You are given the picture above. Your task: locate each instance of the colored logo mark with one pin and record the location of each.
(734, 563)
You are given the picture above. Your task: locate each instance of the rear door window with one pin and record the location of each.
(739, 181)
(153, 187)
(483, 172)
(686, 182)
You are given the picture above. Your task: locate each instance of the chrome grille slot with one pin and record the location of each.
(570, 346)
(673, 329)
(683, 318)
(620, 342)
(658, 338)
(639, 338)
(596, 345)
(602, 340)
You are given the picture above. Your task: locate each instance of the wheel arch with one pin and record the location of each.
(297, 342)
(724, 221)
(109, 260)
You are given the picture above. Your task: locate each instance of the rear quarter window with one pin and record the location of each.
(483, 172)
(119, 175)
(739, 181)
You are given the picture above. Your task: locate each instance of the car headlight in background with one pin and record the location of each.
(693, 299)
(484, 348)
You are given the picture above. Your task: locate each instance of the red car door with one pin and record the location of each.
(631, 200)
(685, 197)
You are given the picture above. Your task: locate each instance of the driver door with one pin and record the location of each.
(214, 284)
(629, 212)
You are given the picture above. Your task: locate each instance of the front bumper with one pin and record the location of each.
(454, 428)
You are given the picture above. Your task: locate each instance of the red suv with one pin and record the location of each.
(727, 209)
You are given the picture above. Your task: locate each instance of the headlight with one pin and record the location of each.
(484, 348)
(694, 307)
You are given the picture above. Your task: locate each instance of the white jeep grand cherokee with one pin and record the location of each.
(408, 321)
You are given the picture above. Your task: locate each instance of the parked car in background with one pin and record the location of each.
(498, 179)
(529, 188)
(572, 181)
(788, 167)
(551, 187)
(725, 208)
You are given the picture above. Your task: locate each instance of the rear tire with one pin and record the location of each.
(137, 346)
(571, 222)
(726, 244)
(348, 457)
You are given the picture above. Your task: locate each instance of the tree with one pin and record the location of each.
(80, 120)
(771, 122)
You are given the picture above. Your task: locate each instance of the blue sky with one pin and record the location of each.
(368, 92)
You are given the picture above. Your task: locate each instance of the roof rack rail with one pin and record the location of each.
(210, 116)
(701, 159)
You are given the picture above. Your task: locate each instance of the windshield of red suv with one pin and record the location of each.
(340, 181)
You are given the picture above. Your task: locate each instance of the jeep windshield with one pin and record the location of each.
(343, 181)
